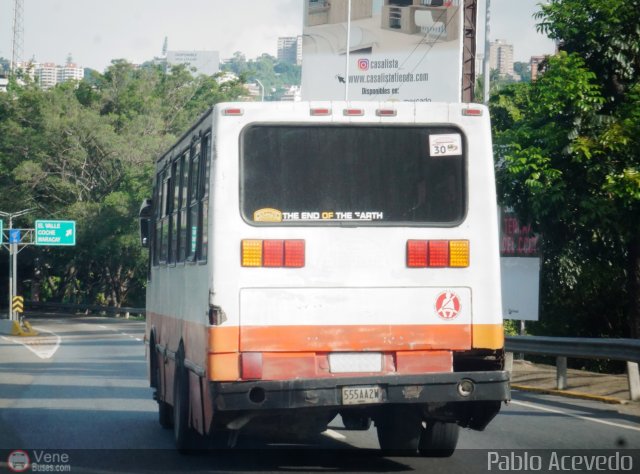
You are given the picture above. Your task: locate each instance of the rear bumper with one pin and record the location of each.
(398, 389)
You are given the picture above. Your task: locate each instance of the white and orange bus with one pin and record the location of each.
(310, 260)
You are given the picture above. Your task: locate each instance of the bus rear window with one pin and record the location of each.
(364, 175)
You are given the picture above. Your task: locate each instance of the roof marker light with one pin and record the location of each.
(320, 112)
(353, 112)
(386, 112)
(472, 112)
(232, 112)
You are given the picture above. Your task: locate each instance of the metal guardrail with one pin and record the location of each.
(627, 350)
(68, 308)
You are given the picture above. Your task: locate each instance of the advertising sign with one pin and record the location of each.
(519, 268)
(398, 50)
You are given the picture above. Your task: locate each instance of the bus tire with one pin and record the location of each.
(439, 439)
(182, 432)
(165, 411)
(399, 430)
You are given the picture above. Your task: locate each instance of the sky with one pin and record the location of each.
(95, 32)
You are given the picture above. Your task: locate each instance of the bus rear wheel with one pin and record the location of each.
(399, 430)
(183, 434)
(439, 439)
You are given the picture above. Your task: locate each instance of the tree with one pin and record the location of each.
(86, 152)
(568, 159)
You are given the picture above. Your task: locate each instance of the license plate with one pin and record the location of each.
(361, 395)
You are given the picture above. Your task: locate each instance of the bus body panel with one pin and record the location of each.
(354, 294)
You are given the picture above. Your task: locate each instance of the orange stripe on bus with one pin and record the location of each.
(488, 336)
(224, 367)
(355, 338)
(224, 339)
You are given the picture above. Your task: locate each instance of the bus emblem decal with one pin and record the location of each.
(448, 305)
(267, 215)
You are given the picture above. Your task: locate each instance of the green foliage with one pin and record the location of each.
(567, 159)
(605, 33)
(276, 76)
(85, 152)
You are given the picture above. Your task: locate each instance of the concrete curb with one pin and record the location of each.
(570, 394)
(17, 328)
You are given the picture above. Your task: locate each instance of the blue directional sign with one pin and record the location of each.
(14, 236)
(55, 233)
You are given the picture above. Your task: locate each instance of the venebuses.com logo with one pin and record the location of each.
(39, 461)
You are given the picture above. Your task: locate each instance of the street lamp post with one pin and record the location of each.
(13, 260)
(262, 89)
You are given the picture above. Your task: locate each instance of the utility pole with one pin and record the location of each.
(13, 258)
(487, 56)
(348, 51)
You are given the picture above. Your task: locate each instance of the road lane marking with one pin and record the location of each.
(44, 347)
(574, 415)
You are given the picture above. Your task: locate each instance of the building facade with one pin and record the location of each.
(534, 62)
(501, 57)
(49, 74)
(290, 49)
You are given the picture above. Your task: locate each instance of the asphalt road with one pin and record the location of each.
(77, 399)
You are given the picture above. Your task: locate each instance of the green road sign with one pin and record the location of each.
(55, 233)
(1, 231)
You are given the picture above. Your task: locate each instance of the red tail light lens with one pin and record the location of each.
(438, 253)
(251, 365)
(294, 253)
(273, 253)
(416, 253)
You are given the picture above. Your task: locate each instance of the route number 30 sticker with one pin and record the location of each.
(448, 305)
(445, 145)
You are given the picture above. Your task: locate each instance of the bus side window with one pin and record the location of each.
(182, 217)
(164, 218)
(192, 202)
(157, 223)
(203, 211)
(175, 193)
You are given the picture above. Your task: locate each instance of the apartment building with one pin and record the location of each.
(501, 57)
(534, 62)
(290, 49)
(49, 74)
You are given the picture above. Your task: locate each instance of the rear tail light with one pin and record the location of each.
(459, 253)
(251, 365)
(416, 253)
(438, 253)
(252, 253)
(273, 253)
(294, 253)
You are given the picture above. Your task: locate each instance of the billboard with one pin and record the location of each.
(405, 50)
(519, 268)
